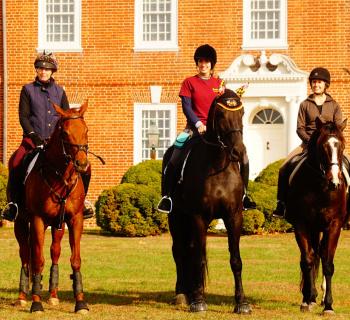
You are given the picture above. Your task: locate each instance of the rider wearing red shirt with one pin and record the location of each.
(197, 93)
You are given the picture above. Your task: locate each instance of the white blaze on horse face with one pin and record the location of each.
(334, 161)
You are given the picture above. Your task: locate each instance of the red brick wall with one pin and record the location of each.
(114, 77)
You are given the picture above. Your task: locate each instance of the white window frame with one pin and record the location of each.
(141, 45)
(138, 108)
(59, 46)
(259, 44)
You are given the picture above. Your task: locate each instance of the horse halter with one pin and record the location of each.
(79, 147)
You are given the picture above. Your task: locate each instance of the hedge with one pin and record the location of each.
(3, 186)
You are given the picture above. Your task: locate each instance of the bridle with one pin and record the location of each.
(65, 143)
(221, 138)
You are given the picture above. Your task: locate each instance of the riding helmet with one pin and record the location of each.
(46, 60)
(205, 52)
(320, 74)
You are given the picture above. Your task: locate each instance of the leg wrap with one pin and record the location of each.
(24, 280)
(77, 282)
(53, 277)
(37, 285)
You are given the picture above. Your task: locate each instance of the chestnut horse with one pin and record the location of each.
(317, 209)
(54, 195)
(212, 188)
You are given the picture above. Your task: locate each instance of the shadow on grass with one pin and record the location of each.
(135, 297)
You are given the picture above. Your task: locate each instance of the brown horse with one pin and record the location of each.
(317, 209)
(54, 195)
(212, 188)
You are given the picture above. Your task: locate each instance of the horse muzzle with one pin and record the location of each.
(81, 166)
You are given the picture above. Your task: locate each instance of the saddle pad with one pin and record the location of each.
(181, 139)
(30, 167)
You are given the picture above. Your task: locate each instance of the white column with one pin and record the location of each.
(293, 107)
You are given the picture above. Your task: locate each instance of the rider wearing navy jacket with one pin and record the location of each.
(38, 119)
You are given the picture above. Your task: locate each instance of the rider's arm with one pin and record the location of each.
(338, 117)
(188, 111)
(64, 101)
(301, 125)
(24, 112)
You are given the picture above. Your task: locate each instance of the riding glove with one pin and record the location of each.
(36, 139)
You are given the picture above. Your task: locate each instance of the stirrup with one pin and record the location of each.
(248, 204)
(280, 210)
(7, 213)
(163, 207)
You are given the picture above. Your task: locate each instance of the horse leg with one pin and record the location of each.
(307, 266)
(55, 252)
(198, 264)
(233, 227)
(177, 227)
(21, 229)
(328, 247)
(37, 234)
(75, 230)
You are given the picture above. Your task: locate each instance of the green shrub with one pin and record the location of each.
(3, 186)
(130, 209)
(264, 191)
(253, 221)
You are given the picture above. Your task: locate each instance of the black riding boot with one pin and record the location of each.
(166, 203)
(88, 211)
(247, 202)
(10, 212)
(280, 210)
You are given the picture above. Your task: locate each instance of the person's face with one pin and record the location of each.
(318, 86)
(204, 67)
(44, 74)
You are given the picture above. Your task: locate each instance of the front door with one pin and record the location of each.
(264, 136)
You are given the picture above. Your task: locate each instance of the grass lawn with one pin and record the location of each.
(134, 278)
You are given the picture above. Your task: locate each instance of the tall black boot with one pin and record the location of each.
(248, 203)
(10, 212)
(166, 203)
(280, 210)
(88, 211)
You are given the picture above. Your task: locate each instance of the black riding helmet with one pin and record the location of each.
(46, 60)
(205, 52)
(320, 74)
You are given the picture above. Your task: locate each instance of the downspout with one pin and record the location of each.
(4, 48)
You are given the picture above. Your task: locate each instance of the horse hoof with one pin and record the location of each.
(198, 306)
(81, 307)
(328, 312)
(20, 303)
(53, 301)
(243, 308)
(180, 300)
(36, 307)
(304, 307)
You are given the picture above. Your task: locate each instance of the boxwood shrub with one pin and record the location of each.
(130, 209)
(3, 185)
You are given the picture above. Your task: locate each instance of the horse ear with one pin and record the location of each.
(83, 107)
(343, 124)
(319, 123)
(58, 109)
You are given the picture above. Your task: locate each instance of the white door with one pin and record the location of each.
(264, 137)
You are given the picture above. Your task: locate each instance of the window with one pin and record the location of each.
(264, 24)
(60, 25)
(155, 25)
(153, 117)
(267, 116)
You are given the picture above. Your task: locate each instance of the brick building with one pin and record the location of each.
(115, 53)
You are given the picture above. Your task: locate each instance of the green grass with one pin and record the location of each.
(134, 278)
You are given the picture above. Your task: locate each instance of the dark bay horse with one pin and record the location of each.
(212, 188)
(54, 195)
(317, 209)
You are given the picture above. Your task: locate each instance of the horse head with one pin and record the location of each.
(328, 144)
(224, 122)
(72, 132)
